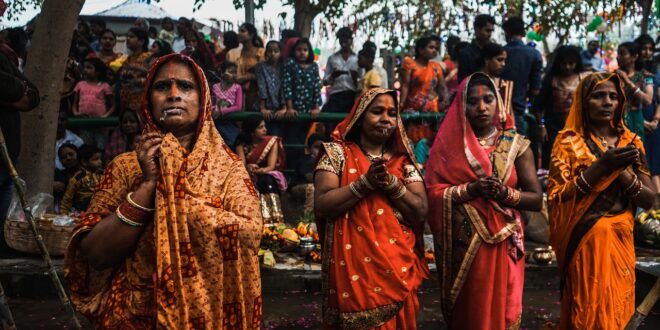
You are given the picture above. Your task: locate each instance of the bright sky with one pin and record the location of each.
(219, 9)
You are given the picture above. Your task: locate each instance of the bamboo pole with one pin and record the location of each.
(20, 190)
(6, 319)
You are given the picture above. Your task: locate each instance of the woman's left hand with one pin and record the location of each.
(494, 189)
(252, 168)
(315, 113)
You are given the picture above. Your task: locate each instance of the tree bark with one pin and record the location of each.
(646, 12)
(304, 14)
(45, 68)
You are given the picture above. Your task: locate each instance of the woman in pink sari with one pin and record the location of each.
(480, 173)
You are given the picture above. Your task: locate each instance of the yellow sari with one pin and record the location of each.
(592, 235)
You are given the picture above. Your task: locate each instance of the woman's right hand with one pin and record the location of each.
(483, 187)
(291, 114)
(617, 158)
(280, 114)
(267, 114)
(378, 175)
(147, 153)
(252, 168)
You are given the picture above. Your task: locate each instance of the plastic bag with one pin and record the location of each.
(37, 205)
(64, 220)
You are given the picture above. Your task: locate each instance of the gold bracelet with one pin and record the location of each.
(355, 191)
(365, 182)
(400, 193)
(136, 205)
(632, 184)
(393, 182)
(577, 185)
(585, 181)
(639, 191)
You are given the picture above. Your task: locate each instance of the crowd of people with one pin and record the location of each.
(203, 186)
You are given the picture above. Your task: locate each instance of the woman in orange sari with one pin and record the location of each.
(479, 175)
(370, 206)
(172, 233)
(597, 180)
(263, 156)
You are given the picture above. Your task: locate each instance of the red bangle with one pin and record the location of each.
(133, 213)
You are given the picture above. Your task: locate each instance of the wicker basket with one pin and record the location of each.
(19, 236)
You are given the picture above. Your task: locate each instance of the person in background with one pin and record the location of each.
(597, 181)
(197, 48)
(227, 98)
(123, 138)
(158, 49)
(289, 38)
(452, 84)
(302, 92)
(183, 26)
(153, 34)
(384, 78)
(96, 26)
(134, 70)
(143, 23)
(269, 79)
(422, 86)
(64, 136)
(107, 42)
(341, 74)
(82, 37)
(451, 64)
(646, 50)
(230, 41)
(589, 58)
(555, 99)
(17, 94)
(247, 58)
(93, 99)
(371, 78)
(82, 185)
(68, 154)
(524, 66)
(302, 183)
(167, 32)
(483, 25)
(638, 87)
(263, 157)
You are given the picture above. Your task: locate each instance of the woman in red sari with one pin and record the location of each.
(480, 173)
(370, 207)
(263, 156)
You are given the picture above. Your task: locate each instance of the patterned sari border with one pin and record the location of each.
(367, 319)
(269, 146)
(478, 223)
(465, 268)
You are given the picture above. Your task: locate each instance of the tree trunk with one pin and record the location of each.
(303, 17)
(646, 12)
(45, 68)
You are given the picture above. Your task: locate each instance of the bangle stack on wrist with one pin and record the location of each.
(361, 187)
(397, 190)
(132, 213)
(636, 187)
(512, 197)
(582, 185)
(461, 194)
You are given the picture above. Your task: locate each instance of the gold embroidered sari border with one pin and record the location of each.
(366, 319)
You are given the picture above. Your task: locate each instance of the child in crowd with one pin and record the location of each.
(93, 98)
(302, 92)
(82, 185)
(68, 154)
(371, 78)
(302, 183)
(269, 78)
(228, 97)
(167, 32)
(124, 137)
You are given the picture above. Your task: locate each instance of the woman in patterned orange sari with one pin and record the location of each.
(172, 233)
(479, 175)
(370, 208)
(597, 180)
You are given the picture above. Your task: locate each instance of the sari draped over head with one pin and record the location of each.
(592, 235)
(259, 156)
(478, 243)
(196, 265)
(371, 266)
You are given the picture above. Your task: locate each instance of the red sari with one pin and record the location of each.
(371, 270)
(479, 242)
(259, 156)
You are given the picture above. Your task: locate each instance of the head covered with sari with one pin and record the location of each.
(478, 242)
(196, 264)
(371, 267)
(575, 149)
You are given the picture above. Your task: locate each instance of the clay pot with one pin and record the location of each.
(542, 256)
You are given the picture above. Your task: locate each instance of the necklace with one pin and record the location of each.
(484, 140)
(371, 157)
(603, 141)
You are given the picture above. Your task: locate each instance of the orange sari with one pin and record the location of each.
(196, 265)
(592, 239)
(479, 243)
(371, 267)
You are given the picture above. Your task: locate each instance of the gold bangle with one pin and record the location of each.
(589, 187)
(632, 184)
(577, 185)
(400, 193)
(136, 205)
(365, 182)
(393, 182)
(639, 191)
(355, 191)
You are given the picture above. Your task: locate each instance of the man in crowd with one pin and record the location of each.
(468, 61)
(17, 94)
(341, 74)
(523, 67)
(589, 58)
